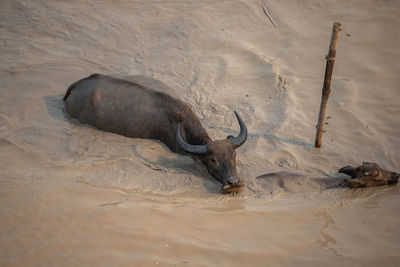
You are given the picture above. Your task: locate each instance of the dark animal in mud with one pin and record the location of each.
(133, 110)
(368, 175)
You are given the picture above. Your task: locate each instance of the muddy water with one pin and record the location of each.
(73, 195)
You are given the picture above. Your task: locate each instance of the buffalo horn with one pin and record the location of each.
(241, 138)
(192, 149)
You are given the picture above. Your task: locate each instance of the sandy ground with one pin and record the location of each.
(71, 195)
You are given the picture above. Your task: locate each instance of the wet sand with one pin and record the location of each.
(74, 195)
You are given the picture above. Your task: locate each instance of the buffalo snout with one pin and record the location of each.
(231, 183)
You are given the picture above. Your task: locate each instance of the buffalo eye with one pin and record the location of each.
(213, 161)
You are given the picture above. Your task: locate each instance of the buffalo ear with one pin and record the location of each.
(349, 170)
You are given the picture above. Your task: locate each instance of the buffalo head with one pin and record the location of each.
(219, 156)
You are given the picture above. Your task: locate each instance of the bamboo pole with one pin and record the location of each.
(330, 60)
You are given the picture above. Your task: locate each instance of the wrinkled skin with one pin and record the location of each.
(136, 109)
(368, 175)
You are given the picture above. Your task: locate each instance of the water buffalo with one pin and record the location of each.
(368, 175)
(134, 110)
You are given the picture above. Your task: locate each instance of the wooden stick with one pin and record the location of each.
(330, 59)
